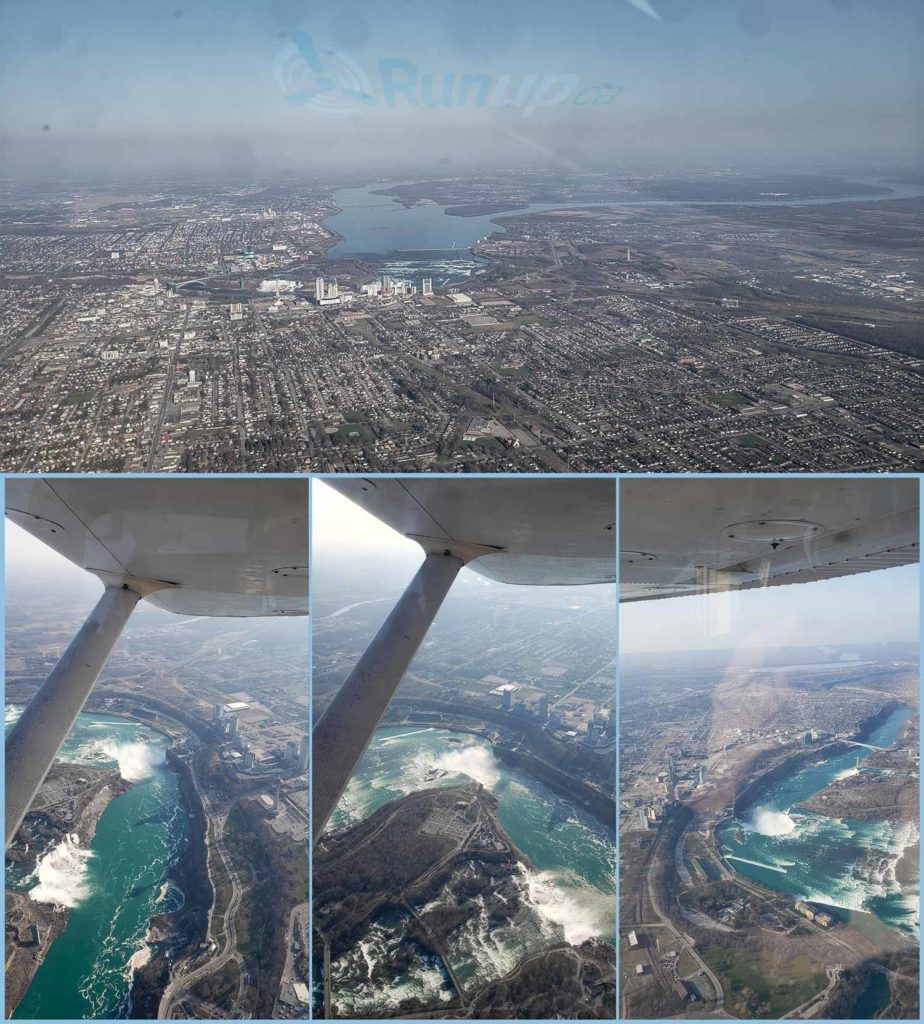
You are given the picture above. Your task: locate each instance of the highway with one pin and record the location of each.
(155, 446)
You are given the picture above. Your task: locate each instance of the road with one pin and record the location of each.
(180, 984)
(155, 446)
(439, 949)
(418, 881)
(238, 397)
(811, 1006)
(298, 925)
(666, 921)
(45, 320)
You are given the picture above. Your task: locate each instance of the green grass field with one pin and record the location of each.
(749, 991)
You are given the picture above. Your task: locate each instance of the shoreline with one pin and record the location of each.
(598, 804)
(905, 864)
(51, 919)
(174, 934)
(747, 797)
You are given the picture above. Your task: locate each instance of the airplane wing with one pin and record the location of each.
(683, 536)
(228, 546)
(527, 531)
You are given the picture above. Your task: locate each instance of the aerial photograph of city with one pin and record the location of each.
(769, 805)
(460, 470)
(467, 866)
(157, 866)
(622, 236)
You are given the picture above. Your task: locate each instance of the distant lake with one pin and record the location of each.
(425, 240)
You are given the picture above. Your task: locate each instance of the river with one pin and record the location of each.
(570, 895)
(846, 865)
(114, 889)
(417, 241)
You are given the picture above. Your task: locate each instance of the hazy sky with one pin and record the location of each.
(340, 524)
(25, 553)
(118, 88)
(875, 606)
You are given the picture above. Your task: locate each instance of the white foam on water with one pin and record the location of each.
(358, 988)
(170, 895)
(63, 874)
(767, 822)
(757, 864)
(580, 911)
(403, 736)
(136, 760)
(874, 875)
(474, 761)
(140, 957)
(847, 773)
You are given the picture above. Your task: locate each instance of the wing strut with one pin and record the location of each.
(341, 736)
(35, 739)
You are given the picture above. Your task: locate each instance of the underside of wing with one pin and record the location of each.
(529, 531)
(682, 536)
(219, 546)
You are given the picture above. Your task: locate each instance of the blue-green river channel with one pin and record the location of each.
(112, 890)
(847, 865)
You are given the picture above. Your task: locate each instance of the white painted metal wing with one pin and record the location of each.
(228, 546)
(687, 536)
(537, 531)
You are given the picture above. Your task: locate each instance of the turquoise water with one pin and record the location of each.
(112, 891)
(569, 895)
(552, 831)
(840, 863)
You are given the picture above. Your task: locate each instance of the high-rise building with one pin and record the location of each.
(507, 700)
(428, 286)
(216, 713)
(326, 293)
(543, 707)
(291, 752)
(303, 754)
(232, 726)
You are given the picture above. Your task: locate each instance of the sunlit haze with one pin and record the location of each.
(868, 608)
(111, 89)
